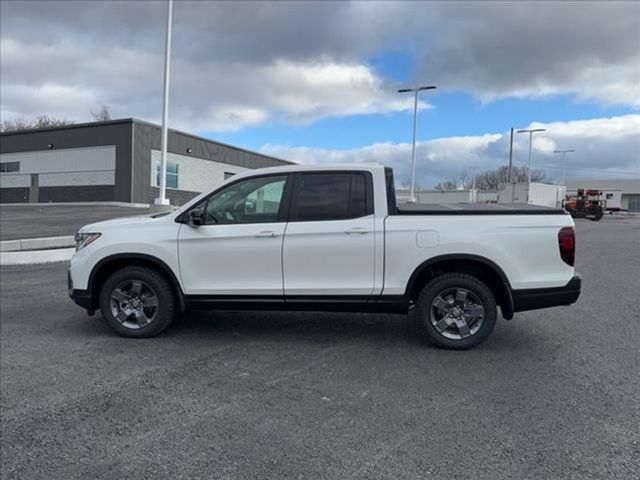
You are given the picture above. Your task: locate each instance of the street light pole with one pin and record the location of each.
(510, 157)
(162, 199)
(563, 152)
(473, 184)
(530, 131)
(415, 91)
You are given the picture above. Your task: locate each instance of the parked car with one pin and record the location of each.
(327, 238)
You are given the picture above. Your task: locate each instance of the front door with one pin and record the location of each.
(238, 250)
(34, 186)
(329, 244)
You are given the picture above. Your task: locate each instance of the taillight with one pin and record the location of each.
(567, 244)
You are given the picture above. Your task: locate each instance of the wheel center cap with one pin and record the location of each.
(135, 303)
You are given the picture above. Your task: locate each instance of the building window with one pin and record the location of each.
(9, 167)
(609, 196)
(171, 177)
(228, 175)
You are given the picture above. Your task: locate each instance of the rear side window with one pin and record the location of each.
(332, 196)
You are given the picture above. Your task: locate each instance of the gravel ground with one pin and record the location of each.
(35, 221)
(552, 394)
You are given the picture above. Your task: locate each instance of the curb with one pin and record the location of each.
(36, 256)
(78, 204)
(36, 243)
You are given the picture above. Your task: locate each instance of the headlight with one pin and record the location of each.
(84, 239)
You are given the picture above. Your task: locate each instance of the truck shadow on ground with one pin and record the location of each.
(321, 326)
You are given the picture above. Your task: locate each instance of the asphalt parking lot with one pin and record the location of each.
(552, 394)
(37, 221)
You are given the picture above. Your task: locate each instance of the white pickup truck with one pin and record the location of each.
(327, 238)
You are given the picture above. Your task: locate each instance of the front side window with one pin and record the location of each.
(255, 200)
(331, 196)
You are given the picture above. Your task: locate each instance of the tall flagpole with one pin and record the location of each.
(162, 200)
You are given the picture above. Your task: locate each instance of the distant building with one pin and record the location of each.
(116, 160)
(620, 194)
(448, 196)
(543, 194)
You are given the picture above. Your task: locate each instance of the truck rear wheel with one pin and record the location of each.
(456, 311)
(137, 302)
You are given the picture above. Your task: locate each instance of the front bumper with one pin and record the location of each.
(535, 298)
(80, 297)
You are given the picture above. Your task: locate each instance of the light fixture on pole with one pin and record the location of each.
(415, 91)
(162, 199)
(530, 131)
(563, 152)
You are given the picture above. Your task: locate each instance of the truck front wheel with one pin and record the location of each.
(137, 302)
(456, 311)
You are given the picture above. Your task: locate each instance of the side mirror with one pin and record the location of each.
(196, 218)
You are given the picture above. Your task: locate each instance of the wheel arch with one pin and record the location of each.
(480, 267)
(105, 267)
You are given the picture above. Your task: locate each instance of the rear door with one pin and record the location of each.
(329, 242)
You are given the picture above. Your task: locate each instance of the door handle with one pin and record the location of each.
(267, 234)
(356, 231)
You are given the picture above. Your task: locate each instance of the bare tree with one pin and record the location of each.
(406, 185)
(454, 183)
(492, 179)
(41, 121)
(15, 124)
(102, 114)
(496, 179)
(447, 185)
(45, 121)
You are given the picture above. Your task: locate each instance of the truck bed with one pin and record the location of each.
(476, 209)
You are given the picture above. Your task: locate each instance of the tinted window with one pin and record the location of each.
(255, 200)
(8, 167)
(357, 196)
(331, 196)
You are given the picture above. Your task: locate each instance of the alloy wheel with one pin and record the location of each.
(134, 304)
(456, 313)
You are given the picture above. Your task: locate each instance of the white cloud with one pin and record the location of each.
(297, 62)
(283, 91)
(211, 96)
(590, 50)
(605, 147)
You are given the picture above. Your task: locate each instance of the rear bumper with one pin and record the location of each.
(533, 299)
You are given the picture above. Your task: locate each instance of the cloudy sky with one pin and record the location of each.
(316, 82)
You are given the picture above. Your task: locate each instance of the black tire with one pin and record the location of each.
(465, 292)
(154, 289)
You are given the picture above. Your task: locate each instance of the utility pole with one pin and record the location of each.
(530, 131)
(415, 91)
(563, 152)
(473, 184)
(510, 157)
(162, 199)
